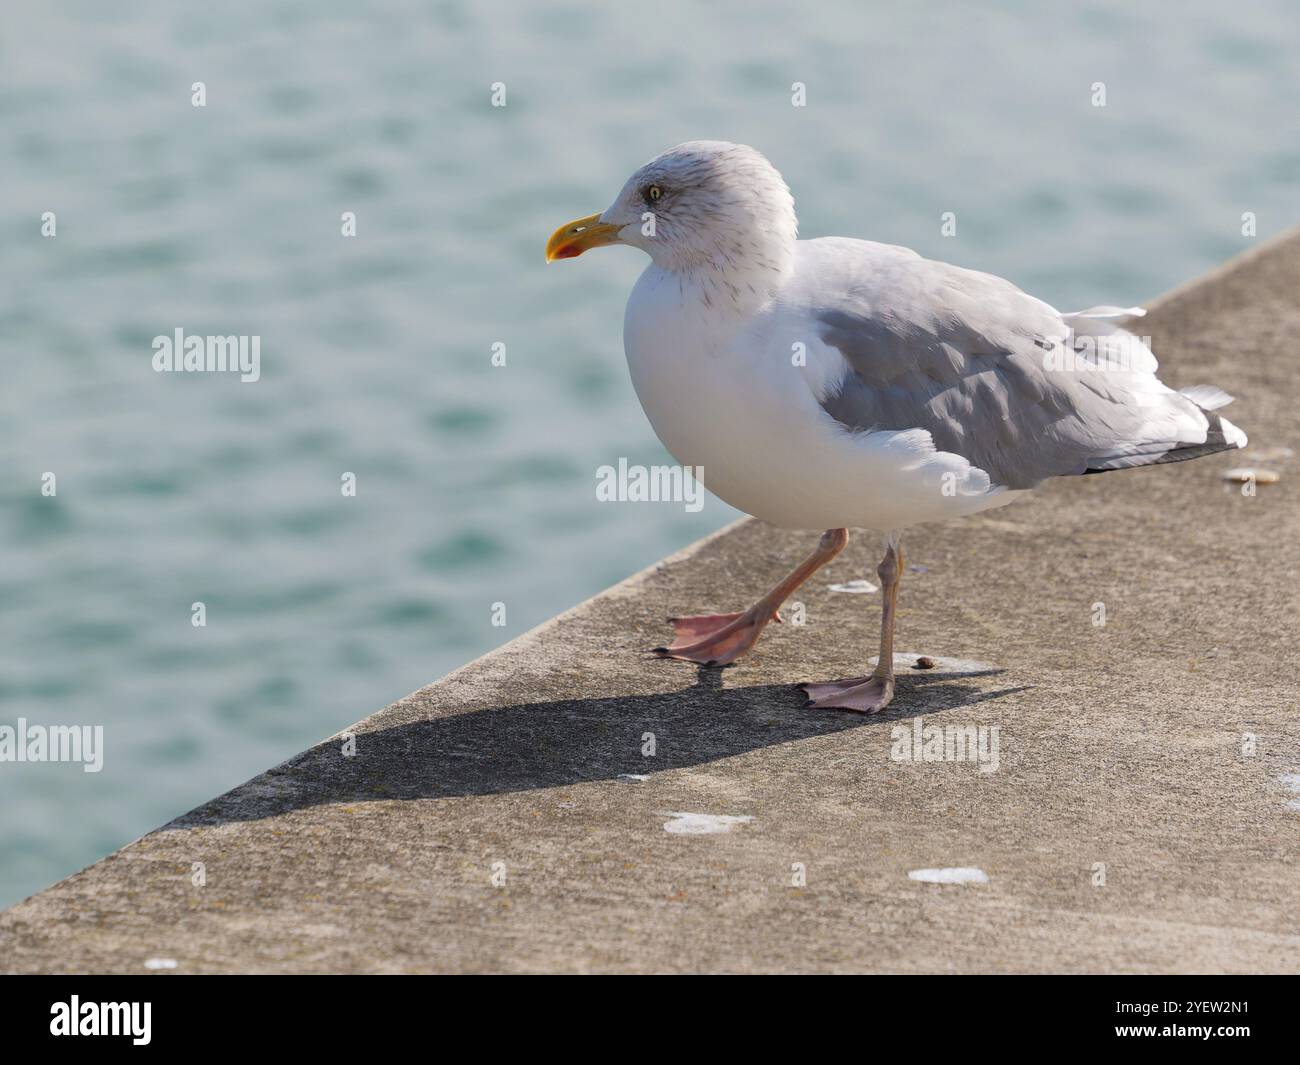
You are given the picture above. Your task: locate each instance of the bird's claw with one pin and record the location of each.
(714, 639)
(861, 695)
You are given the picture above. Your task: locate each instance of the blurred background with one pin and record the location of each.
(476, 484)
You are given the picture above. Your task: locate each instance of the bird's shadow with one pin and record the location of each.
(553, 744)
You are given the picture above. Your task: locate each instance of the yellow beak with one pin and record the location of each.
(573, 238)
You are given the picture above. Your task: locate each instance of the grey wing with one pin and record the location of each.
(1000, 378)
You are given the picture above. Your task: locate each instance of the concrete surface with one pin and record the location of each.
(1120, 745)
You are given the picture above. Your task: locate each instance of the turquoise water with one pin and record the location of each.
(475, 483)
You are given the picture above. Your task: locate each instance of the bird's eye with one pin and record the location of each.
(653, 193)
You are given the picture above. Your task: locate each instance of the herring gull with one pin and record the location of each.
(837, 383)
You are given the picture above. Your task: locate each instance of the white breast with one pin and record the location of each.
(725, 391)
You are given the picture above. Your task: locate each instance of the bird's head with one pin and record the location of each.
(703, 205)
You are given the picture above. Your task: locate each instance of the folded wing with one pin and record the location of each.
(1016, 388)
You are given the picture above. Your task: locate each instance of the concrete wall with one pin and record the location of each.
(1125, 746)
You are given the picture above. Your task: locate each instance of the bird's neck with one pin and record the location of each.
(738, 280)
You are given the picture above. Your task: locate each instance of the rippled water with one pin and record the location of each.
(475, 483)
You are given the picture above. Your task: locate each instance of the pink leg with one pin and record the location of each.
(719, 639)
(868, 695)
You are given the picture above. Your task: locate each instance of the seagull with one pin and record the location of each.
(837, 384)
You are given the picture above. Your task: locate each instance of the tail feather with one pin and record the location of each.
(1220, 435)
